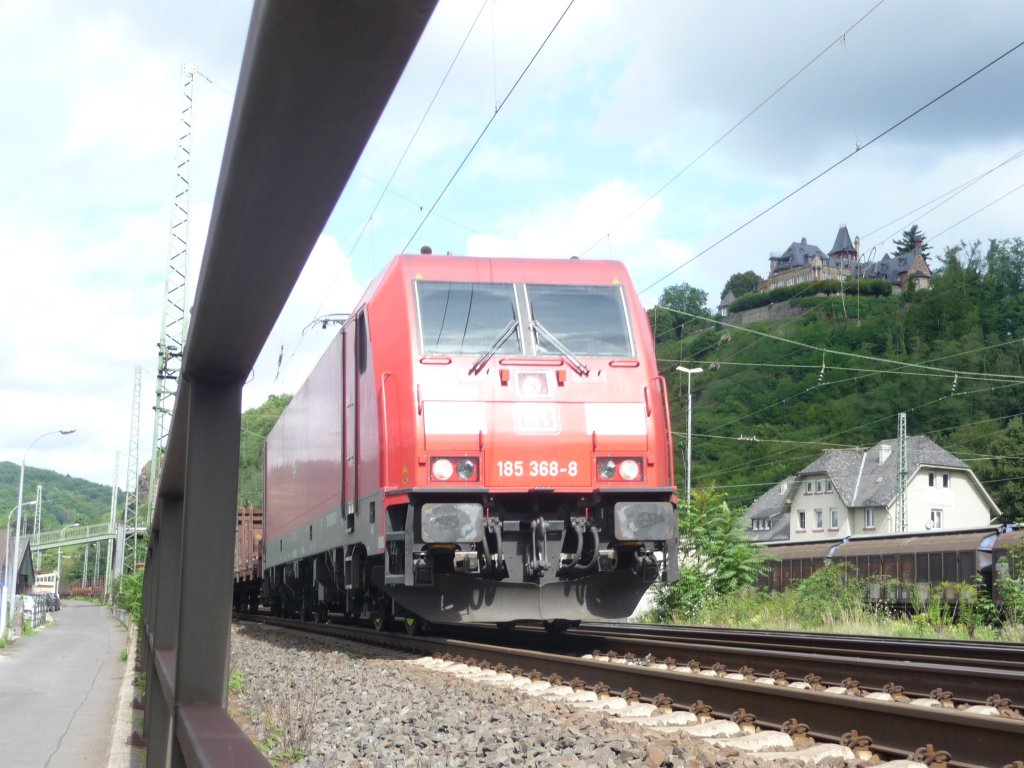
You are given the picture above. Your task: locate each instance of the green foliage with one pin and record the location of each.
(741, 283)
(828, 595)
(777, 391)
(863, 288)
(675, 314)
(236, 681)
(716, 557)
(907, 241)
(1011, 586)
(66, 499)
(127, 595)
(256, 425)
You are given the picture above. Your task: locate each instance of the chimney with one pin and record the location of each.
(884, 452)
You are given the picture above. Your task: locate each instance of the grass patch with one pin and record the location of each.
(831, 601)
(124, 654)
(236, 681)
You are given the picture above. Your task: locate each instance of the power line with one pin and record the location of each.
(834, 165)
(972, 215)
(721, 138)
(859, 356)
(416, 132)
(945, 197)
(497, 109)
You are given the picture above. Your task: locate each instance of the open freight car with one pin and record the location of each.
(484, 440)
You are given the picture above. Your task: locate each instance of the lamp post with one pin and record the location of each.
(10, 571)
(56, 581)
(21, 498)
(689, 418)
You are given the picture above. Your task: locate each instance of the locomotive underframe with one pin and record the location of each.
(539, 555)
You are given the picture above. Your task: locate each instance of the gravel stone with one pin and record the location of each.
(340, 703)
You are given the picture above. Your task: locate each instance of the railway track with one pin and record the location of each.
(918, 667)
(936, 727)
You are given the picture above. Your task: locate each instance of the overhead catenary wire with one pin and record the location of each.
(497, 110)
(725, 135)
(834, 165)
(859, 356)
(938, 201)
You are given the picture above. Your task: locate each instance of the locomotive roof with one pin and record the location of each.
(484, 269)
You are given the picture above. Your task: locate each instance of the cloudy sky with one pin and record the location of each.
(597, 150)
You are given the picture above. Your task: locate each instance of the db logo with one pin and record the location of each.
(535, 418)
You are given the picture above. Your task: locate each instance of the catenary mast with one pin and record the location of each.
(174, 326)
(131, 485)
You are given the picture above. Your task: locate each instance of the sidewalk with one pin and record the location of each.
(62, 688)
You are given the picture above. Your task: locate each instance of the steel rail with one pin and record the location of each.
(889, 647)
(919, 674)
(897, 730)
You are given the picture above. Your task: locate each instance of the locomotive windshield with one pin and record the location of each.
(588, 320)
(467, 318)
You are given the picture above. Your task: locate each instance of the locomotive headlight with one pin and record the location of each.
(466, 469)
(606, 468)
(441, 469)
(629, 469)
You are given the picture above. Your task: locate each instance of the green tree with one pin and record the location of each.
(715, 556)
(256, 425)
(1002, 475)
(683, 302)
(908, 240)
(741, 283)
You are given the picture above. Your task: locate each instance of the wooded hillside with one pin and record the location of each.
(775, 395)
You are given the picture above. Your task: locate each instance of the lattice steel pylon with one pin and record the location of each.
(174, 326)
(901, 474)
(131, 484)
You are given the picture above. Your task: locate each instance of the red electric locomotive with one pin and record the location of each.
(484, 440)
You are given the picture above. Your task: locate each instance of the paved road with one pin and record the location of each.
(58, 691)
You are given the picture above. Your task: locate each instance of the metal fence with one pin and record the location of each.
(314, 80)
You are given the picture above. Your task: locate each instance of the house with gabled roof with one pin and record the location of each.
(903, 270)
(848, 492)
(804, 263)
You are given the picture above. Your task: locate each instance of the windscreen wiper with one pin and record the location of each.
(574, 362)
(480, 362)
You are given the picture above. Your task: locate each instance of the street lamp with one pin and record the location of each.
(689, 417)
(10, 569)
(56, 581)
(21, 498)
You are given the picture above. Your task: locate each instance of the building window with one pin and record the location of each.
(809, 487)
(869, 519)
(931, 479)
(817, 486)
(828, 486)
(819, 520)
(802, 520)
(835, 518)
(945, 480)
(936, 518)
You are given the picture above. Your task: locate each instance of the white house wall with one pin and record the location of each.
(961, 505)
(809, 502)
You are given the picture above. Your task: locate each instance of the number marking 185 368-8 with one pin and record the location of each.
(535, 468)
